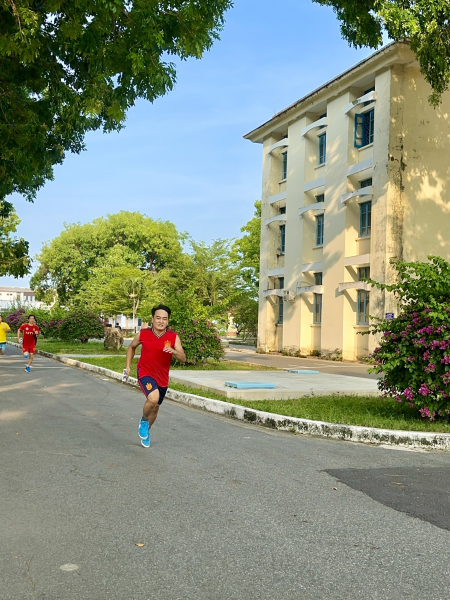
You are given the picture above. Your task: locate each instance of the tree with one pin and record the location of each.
(246, 255)
(14, 259)
(424, 23)
(67, 68)
(69, 260)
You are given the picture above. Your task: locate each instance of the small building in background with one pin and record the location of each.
(10, 295)
(355, 174)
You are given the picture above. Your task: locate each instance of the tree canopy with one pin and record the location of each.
(14, 259)
(67, 68)
(424, 23)
(72, 258)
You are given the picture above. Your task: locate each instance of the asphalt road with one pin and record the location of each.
(286, 362)
(222, 510)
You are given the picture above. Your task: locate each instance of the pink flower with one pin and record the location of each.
(424, 390)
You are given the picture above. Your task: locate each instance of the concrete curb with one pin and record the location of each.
(349, 433)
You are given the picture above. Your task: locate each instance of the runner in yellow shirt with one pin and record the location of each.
(4, 327)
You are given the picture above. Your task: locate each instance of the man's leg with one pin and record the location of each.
(30, 357)
(151, 407)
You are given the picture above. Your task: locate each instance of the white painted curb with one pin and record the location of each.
(350, 433)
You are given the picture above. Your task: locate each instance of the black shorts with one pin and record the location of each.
(148, 385)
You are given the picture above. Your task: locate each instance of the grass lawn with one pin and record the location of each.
(58, 347)
(367, 411)
(118, 364)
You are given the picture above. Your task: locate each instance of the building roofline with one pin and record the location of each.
(278, 116)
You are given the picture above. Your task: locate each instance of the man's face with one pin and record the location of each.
(160, 320)
(32, 321)
(1, 318)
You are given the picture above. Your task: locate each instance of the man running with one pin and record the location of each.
(4, 327)
(158, 347)
(30, 332)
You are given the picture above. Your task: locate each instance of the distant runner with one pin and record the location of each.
(30, 332)
(158, 347)
(4, 327)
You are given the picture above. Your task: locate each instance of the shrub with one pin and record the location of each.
(199, 337)
(414, 352)
(81, 325)
(51, 329)
(16, 318)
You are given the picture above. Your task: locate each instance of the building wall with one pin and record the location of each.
(409, 166)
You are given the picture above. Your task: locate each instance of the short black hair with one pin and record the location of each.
(161, 307)
(34, 317)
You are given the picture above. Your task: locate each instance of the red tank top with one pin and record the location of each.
(153, 361)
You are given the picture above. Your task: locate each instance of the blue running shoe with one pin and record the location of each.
(27, 369)
(143, 429)
(146, 441)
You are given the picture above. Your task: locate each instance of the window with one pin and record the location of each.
(364, 128)
(365, 219)
(363, 273)
(317, 278)
(284, 168)
(319, 230)
(321, 117)
(280, 301)
(322, 148)
(282, 210)
(366, 182)
(320, 198)
(317, 309)
(363, 307)
(282, 238)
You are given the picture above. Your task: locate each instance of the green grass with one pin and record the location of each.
(58, 347)
(367, 411)
(118, 364)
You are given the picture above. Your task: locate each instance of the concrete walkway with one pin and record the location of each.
(288, 385)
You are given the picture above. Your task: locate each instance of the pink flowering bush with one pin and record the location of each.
(81, 325)
(414, 352)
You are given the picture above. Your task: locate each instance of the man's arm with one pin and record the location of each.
(18, 334)
(177, 351)
(131, 352)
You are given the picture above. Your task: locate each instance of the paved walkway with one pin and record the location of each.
(214, 510)
(355, 369)
(287, 385)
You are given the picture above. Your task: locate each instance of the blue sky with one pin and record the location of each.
(183, 158)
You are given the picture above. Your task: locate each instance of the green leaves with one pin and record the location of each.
(67, 68)
(14, 259)
(424, 23)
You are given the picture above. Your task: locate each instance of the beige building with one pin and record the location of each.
(354, 174)
(17, 295)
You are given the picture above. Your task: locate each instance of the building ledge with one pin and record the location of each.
(313, 289)
(311, 267)
(369, 97)
(277, 272)
(280, 144)
(363, 194)
(364, 165)
(314, 184)
(319, 123)
(277, 197)
(360, 260)
(355, 285)
(277, 219)
(319, 206)
(267, 293)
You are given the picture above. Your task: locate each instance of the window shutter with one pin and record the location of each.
(359, 130)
